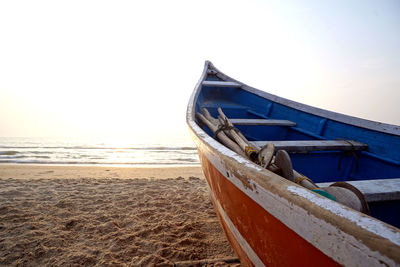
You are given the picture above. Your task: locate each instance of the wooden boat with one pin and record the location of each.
(272, 221)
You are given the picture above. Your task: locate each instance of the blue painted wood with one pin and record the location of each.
(238, 103)
(381, 161)
(321, 126)
(378, 162)
(383, 209)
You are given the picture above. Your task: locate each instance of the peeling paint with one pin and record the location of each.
(365, 222)
(324, 234)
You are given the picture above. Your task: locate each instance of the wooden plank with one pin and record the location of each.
(221, 84)
(313, 145)
(263, 122)
(375, 190)
(358, 122)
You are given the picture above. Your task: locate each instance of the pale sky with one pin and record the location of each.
(126, 69)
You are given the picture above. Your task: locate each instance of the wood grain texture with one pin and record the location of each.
(263, 122)
(364, 241)
(221, 84)
(376, 190)
(313, 145)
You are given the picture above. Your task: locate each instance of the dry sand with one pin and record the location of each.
(58, 215)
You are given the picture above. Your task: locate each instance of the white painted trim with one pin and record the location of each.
(324, 234)
(328, 238)
(334, 207)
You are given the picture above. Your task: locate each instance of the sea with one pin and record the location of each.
(66, 151)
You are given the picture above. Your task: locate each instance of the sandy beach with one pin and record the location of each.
(107, 216)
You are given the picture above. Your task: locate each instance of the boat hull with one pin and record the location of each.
(256, 236)
(272, 221)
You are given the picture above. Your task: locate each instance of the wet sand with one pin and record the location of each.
(106, 216)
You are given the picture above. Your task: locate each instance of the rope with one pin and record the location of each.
(250, 150)
(352, 152)
(225, 127)
(358, 193)
(302, 178)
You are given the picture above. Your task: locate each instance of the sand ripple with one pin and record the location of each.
(118, 222)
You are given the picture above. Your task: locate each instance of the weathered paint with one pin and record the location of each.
(273, 242)
(334, 233)
(321, 231)
(362, 221)
(247, 255)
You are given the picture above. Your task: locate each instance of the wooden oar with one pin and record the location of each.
(210, 118)
(235, 140)
(244, 144)
(220, 135)
(225, 119)
(266, 154)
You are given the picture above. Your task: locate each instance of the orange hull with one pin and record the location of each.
(268, 219)
(273, 242)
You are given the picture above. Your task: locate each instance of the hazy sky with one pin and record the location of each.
(126, 69)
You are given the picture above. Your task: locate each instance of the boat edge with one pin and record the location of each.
(219, 150)
(335, 116)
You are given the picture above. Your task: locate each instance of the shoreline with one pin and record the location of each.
(39, 171)
(150, 165)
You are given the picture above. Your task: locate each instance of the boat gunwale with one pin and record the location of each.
(344, 222)
(331, 115)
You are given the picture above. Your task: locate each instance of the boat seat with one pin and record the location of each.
(376, 190)
(221, 84)
(314, 145)
(263, 122)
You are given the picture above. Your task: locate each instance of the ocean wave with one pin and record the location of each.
(102, 147)
(183, 152)
(38, 152)
(12, 157)
(9, 153)
(95, 163)
(188, 160)
(67, 152)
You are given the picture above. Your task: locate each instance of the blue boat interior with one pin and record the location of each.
(380, 160)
